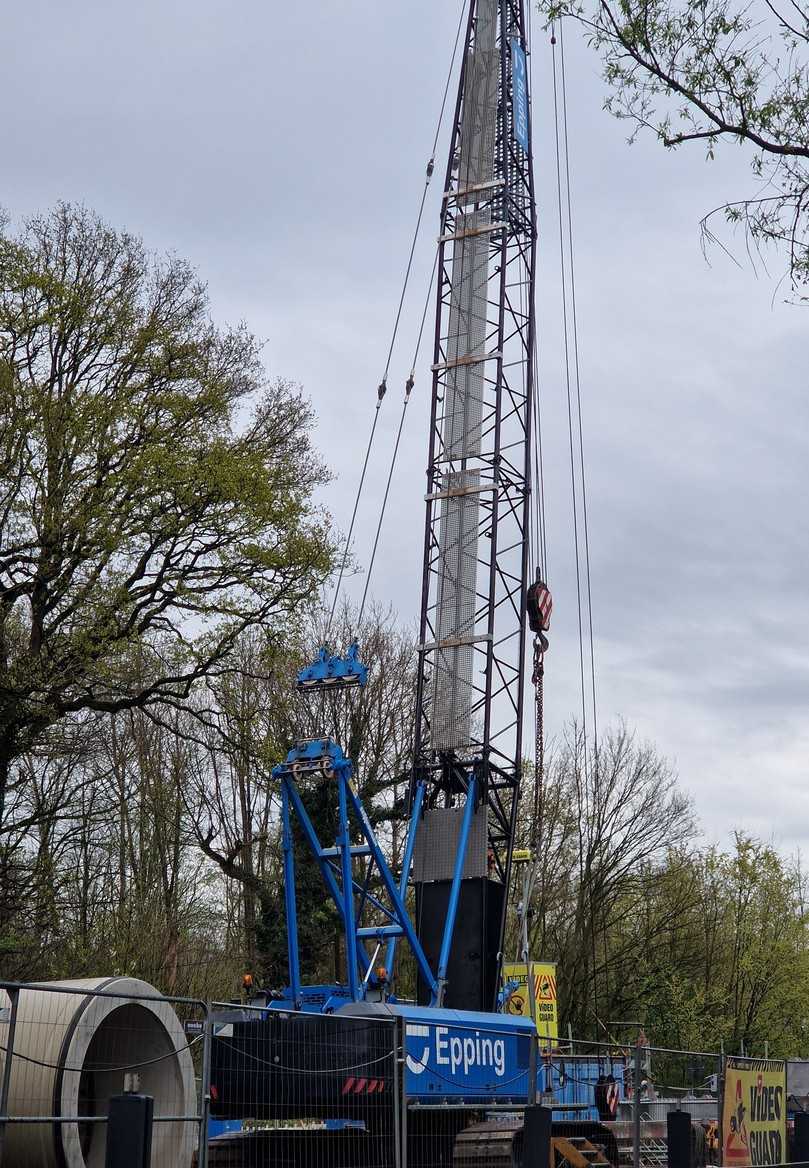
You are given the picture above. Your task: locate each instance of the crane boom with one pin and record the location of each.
(471, 675)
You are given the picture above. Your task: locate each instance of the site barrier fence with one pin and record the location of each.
(240, 1086)
(66, 1048)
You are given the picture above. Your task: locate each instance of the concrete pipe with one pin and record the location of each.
(71, 1053)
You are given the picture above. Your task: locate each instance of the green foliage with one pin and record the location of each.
(155, 490)
(732, 960)
(713, 70)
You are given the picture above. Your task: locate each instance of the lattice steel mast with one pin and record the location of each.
(471, 678)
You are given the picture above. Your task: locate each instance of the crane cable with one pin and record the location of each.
(571, 333)
(383, 385)
(569, 389)
(412, 375)
(540, 556)
(576, 366)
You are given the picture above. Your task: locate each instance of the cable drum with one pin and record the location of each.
(70, 1055)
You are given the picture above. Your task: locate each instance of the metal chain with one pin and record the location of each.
(537, 678)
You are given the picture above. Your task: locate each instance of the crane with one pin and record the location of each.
(471, 669)
(478, 600)
(470, 694)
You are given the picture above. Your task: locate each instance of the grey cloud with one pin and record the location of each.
(282, 149)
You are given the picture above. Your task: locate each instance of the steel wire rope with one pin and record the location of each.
(27, 1058)
(408, 388)
(582, 786)
(576, 367)
(568, 388)
(411, 378)
(540, 551)
(536, 403)
(305, 1070)
(383, 383)
(582, 473)
(458, 1082)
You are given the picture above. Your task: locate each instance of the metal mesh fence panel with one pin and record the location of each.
(628, 1093)
(465, 1088)
(312, 1090)
(68, 1048)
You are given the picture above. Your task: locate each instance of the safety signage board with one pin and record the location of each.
(754, 1113)
(519, 93)
(543, 982)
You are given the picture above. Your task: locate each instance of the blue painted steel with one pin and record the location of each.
(219, 1127)
(333, 671)
(326, 870)
(290, 905)
(397, 900)
(314, 755)
(455, 887)
(573, 1080)
(459, 1055)
(344, 843)
(519, 93)
(407, 861)
(324, 758)
(462, 1056)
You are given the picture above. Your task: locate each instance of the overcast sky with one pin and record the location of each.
(281, 148)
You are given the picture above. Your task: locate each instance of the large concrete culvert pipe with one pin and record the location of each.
(71, 1052)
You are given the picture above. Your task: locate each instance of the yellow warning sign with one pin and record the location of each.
(543, 984)
(754, 1113)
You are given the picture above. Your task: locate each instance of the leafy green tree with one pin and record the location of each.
(713, 71)
(156, 493)
(719, 950)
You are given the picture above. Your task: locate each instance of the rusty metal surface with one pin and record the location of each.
(492, 1144)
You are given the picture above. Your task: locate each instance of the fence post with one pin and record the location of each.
(636, 1115)
(205, 1101)
(678, 1139)
(800, 1149)
(401, 1069)
(537, 1137)
(533, 1067)
(14, 998)
(397, 1138)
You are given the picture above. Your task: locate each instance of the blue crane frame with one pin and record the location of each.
(324, 759)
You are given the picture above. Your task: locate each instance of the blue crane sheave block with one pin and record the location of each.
(331, 671)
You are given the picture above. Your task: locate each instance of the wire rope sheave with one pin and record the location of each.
(331, 671)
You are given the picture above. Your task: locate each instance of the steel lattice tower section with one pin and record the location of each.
(469, 702)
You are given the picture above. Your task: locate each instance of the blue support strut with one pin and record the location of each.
(415, 816)
(344, 843)
(289, 897)
(325, 869)
(393, 892)
(455, 888)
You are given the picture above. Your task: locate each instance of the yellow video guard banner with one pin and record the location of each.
(543, 974)
(754, 1113)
